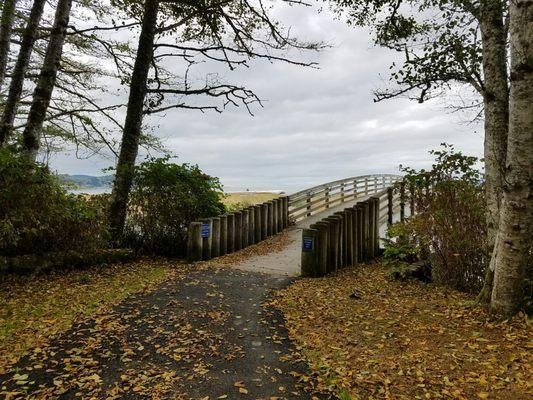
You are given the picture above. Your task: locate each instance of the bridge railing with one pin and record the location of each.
(311, 201)
(352, 234)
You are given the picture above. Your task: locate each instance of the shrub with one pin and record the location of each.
(37, 215)
(165, 198)
(449, 225)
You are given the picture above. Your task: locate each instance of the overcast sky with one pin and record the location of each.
(316, 125)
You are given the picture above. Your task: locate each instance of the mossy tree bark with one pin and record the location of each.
(29, 36)
(46, 82)
(133, 123)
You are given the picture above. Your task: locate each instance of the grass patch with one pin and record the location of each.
(405, 340)
(35, 308)
(246, 199)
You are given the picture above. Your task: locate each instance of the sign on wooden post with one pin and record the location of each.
(309, 263)
(207, 225)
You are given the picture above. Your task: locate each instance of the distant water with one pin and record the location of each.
(95, 190)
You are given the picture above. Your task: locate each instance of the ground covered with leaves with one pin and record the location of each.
(372, 338)
(202, 333)
(34, 309)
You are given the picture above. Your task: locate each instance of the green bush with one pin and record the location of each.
(164, 199)
(449, 227)
(38, 216)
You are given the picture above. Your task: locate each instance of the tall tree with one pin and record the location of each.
(448, 43)
(46, 82)
(132, 126)
(514, 240)
(226, 31)
(29, 36)
(6, 26)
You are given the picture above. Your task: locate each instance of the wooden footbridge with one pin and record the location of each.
(340, 223)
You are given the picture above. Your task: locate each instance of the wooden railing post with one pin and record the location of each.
(323, 240)
(207, 227)
(245, 232)
(390, 205)
(270, 218)
(230, 239)
(215, 237)
(326, 197)
(342, 192)
(366, 186)
(257, 224)
(251, 225)
(308, 201)
(264, 221)
(309, 263)
(355, 189)
(194, 242)
(223, 235)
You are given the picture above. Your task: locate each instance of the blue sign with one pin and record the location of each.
(206, 230)
(308, 243)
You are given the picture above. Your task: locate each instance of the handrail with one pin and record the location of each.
(305, 203)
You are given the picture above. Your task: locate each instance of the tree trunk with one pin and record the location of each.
(47, 79)
(6, 26)
(516, 211)
(132, 125)
(17, 81)
(496, 105)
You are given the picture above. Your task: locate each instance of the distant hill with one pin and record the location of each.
(87, 181)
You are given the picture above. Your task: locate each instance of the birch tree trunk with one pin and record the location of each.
(17, 81)
(133, 122)
(496, 106)
(47, 79)
(513, 244)
(6, 26)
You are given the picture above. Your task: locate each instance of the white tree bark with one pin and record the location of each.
(513, 243)
(496, 107)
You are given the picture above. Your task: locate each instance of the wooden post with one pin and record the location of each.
(207, 229)
(274, 217)
(360, 232)
(371, 229)
(215, 238)
(264, 221)
(310, 252)
(323, 238)
(251, 225)
(342, 192)
(280, 214)
(390, 205)
(355, 235)
(258, 225)
(402, 201)
(335, 242)
(343, 235)
(285, 212)
(366, 186)
(223, 235)
(326, 197)
(238, 230)
(270, 218)
(349, 236)
(365, 221)
(231, 233)
(377, 206)
(308, 201)
(194, 242)
(245, 228)
(355, 189)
